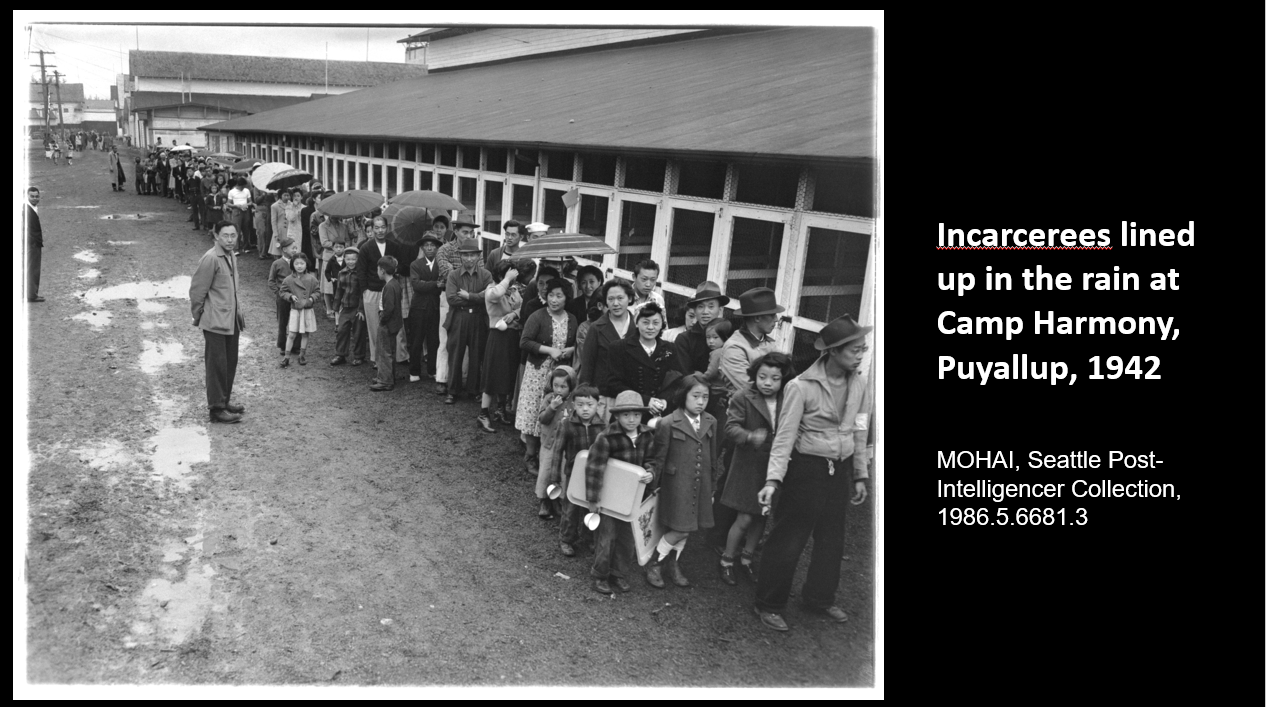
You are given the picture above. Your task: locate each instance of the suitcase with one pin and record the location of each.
(622, 488)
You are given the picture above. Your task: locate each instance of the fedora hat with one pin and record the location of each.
(464, 221)
(708, 290)
(840, 332)
(758, 301)
(469, 245)
(428, 236)
(628, 401)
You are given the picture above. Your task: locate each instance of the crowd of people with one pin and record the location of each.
(79, 141)
(715, 416)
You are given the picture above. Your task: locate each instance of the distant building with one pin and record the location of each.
(72, 105)
(450, 47)
(747, 159)
(172, 94)
(99, 116)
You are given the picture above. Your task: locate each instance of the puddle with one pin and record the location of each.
(110, 454)
(128, 217)
(89, 274)
(156, 355)
(173, 611)
(121, 242)
(174, 551)
(176, 449)
(175, 288)
(97, 319)
(86, 256)
(150, 306)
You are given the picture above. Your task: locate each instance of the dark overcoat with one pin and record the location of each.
(684, 467)
(747, 413)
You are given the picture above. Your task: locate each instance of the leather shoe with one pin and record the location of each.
(545, 512)
(567, 550)
(771, 620)
(338, 361)
(834, 613)
(485, 424)
(449, 399)
(653, 576)
(727, 575)
(225, 416)
(601, 586)
(36, 298)
(379, 387)
(441, 388)
(621, 585)
(748, 570)
(674, 572)
(235, 408)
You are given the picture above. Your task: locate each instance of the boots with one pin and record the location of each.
(674, 572)
(653, 576)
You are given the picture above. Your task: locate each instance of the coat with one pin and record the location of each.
(367, 264)
(538, 331)
(747, 413)
(685, 464)
(427, 286)
(34, 233)
(632, 369)
(213, 293)
(390, 316)
(594, 359)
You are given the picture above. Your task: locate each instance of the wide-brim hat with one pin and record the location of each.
(464, 221)
(840, 332)
(428, 236)
(285, 242)
(758, 301)
(469, 245)
(706, 291)
(628, 401)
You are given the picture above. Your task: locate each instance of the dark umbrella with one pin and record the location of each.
(563, 245)
(289, 178)
(428, 200)
(408, 223)
(244, 166)
(346, 204)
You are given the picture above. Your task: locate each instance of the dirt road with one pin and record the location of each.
(335, 536)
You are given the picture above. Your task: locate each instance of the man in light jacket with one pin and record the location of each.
(214, 303)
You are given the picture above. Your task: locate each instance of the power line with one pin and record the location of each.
(86, 44)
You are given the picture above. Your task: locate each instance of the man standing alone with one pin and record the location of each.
(213, 301)
(34, 245)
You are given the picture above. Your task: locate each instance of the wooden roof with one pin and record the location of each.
(266, 69)
(779, 93)
(149, 100)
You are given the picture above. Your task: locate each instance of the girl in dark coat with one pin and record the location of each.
(643, 362)
(749, 427)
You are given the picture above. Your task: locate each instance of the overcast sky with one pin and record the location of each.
(92, 54)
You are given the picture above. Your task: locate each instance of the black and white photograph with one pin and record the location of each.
(510, 354)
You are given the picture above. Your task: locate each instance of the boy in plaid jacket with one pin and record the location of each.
(628, 440)
(351, 325)
(578, 433)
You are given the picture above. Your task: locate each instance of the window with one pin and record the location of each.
(493, 192)
(363, 149)
(469, 191)
(470, 158)
(328, 177)
(755, 249)
(690, 246)
(391, 182)
(426, 179)
(768, 184)
(446, 185)
(559, 164)
(377, 147)
(363, 173)
(525, 162)
(847, 189)
(803, 352)
(593, 216)
(496, 157)
(706, 179)
(393, 150)
(339, 183)
(521, 203)
(411, 152)
(407, 180)
(834, 274)
(675, 305)
(426, 153)
(597, 168)
(448, 155)
(645, 173)
(376, 184)
(637, 228)
(555, 212)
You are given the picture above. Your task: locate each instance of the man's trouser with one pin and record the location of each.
(221, 356)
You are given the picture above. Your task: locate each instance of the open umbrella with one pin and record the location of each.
(354, 202)
(428, 200)
(244, 165)
(265, 172)
(408, 223)
(563, 245)
(288, 178)
(181, 148)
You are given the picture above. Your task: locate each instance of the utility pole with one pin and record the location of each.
(44, 82)
(61, 124)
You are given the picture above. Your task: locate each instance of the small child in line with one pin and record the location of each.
(390, 320)
(300, 287)
(687, 451)
(350, 337)
(577, 434)
(749, 427)
(716, 334)
(628, 440)
(555, 408)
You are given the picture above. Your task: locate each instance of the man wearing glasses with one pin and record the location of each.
(817, 464)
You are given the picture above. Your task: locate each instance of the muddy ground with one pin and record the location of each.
(335, 536)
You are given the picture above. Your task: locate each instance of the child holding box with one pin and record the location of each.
(628, 440)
